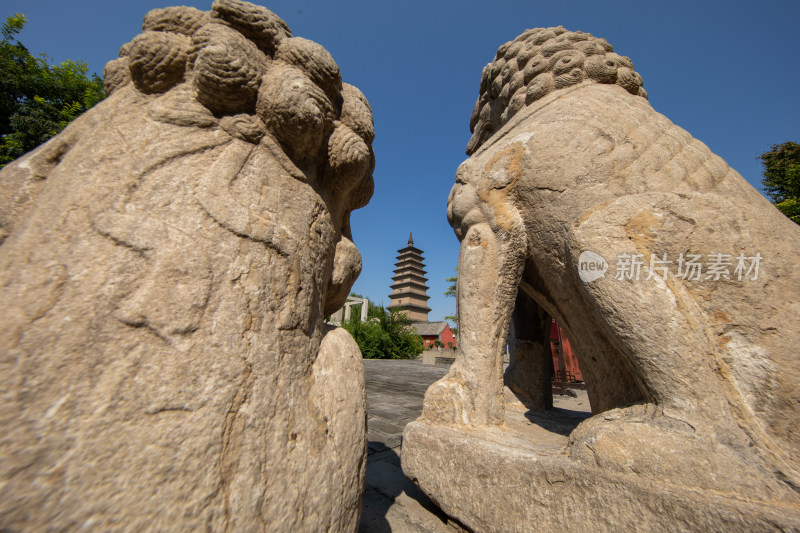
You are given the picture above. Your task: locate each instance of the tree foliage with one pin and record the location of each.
(451, 289)
(385, 334)
(782, 177)
(38, 100)
(451, 293)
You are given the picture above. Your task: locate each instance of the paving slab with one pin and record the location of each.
(395, 389)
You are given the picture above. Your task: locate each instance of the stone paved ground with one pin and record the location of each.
(395, 389)
(392, 503)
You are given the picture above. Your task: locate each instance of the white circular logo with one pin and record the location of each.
(591, 266)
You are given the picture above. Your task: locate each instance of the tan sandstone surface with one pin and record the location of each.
(165, 268)
(693, 379)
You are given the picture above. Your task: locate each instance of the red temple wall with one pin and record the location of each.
(571, 370)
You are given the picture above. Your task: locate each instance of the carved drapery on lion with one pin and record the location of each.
(167, 264)
(693, 379)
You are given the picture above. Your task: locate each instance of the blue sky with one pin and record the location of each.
(727, 72)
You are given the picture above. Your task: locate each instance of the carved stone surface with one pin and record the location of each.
(166, 267)
(693, 379)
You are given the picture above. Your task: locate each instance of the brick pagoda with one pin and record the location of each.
(409, 292)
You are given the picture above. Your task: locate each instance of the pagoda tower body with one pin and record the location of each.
(409, 292)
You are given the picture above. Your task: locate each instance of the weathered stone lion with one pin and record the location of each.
(166, 267)
(677, 283)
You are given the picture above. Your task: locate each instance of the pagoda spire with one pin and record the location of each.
(410, 239)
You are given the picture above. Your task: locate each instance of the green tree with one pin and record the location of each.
(782, 178)
(385, 334)
(38, 100)
(451, 293)
(451, 289)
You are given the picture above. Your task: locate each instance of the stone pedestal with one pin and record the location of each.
(516, 478)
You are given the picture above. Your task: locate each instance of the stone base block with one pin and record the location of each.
(490, 479)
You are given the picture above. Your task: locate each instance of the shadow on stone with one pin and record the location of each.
(393, 499)
(557, 420)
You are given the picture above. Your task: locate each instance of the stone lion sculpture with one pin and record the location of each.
(167, 264)
(677, 283)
